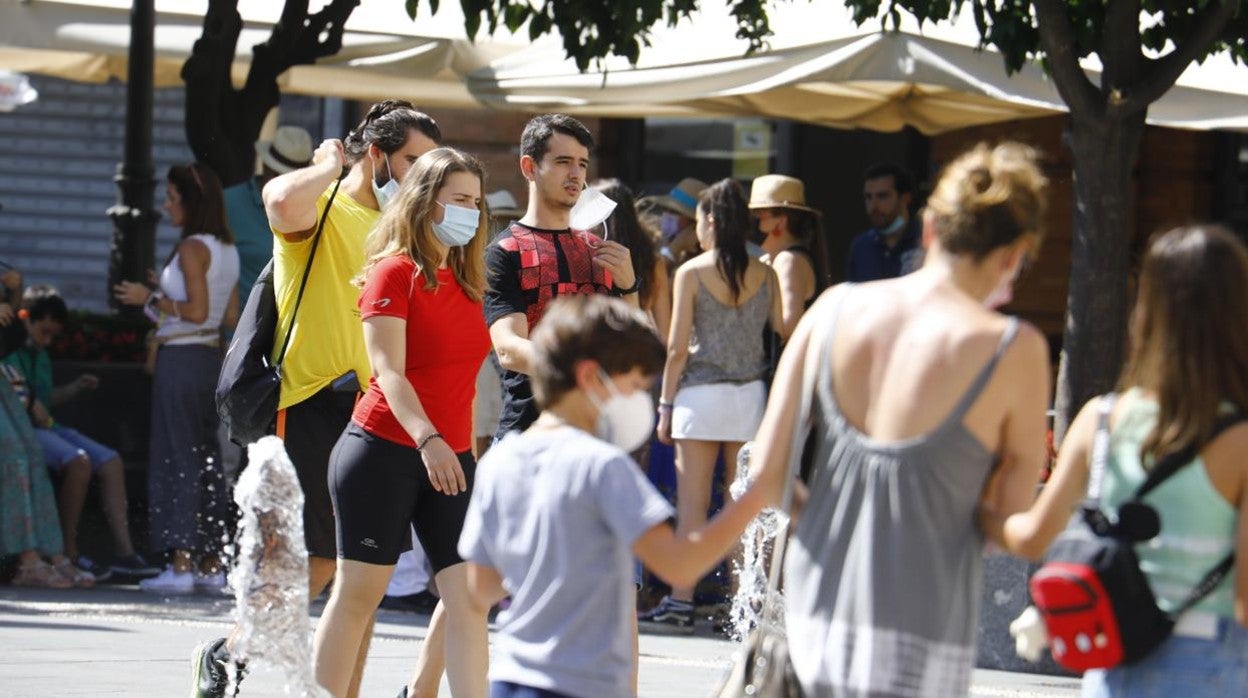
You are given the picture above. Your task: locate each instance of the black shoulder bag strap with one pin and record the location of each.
(303, 284)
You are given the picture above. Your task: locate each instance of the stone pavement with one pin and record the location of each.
(116, 641)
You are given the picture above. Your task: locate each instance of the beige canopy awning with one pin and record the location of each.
(821, 68)
(385, 53)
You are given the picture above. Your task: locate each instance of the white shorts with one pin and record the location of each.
(719, 411)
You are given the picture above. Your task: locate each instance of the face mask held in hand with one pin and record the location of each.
(591, 210)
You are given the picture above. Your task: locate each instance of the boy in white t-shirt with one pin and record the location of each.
(558, 511)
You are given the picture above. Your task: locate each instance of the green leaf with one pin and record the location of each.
(514, 16)
(539, 25)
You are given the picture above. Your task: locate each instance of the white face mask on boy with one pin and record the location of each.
(624, 420)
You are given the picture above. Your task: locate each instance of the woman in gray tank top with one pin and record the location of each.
(921, 393)
(712, 395)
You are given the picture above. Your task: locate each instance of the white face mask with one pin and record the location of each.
(386, 192)
(458, 225)
(591, 209)
(624, 420)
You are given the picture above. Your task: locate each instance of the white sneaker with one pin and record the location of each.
(169, 582)
(210, 582)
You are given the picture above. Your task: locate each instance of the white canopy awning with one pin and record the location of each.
(821, 68)
(384, 54)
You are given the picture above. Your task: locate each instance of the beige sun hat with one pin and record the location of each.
(290, 149)
(779, 191)
(682, 199)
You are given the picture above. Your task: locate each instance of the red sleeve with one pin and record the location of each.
(388, 288)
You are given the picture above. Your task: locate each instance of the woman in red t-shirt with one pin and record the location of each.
(406, 457)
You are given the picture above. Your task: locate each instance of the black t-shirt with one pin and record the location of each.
(527, 267)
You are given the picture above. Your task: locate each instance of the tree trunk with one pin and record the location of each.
(1094, 342)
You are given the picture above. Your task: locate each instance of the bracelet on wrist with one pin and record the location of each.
(420, 445)
(665, 405)
(631, 289)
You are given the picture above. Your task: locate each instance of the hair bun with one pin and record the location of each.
(988, 197)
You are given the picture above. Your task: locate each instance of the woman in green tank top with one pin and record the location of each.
(1188, 366)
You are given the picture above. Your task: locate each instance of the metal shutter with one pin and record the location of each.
(58, 156)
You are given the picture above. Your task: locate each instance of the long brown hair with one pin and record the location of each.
(626, 228)
(407, 225)
(725, 201)
(1189, 334)
(203, 201)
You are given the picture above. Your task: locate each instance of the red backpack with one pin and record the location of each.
(1095, 602)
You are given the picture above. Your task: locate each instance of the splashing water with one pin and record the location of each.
(751, 568)
(270, 575)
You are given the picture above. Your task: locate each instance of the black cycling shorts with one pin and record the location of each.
(308, 430)
(380, 489)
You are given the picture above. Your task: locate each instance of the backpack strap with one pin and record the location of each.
(1100, 451)
(1173, 462)
(1206, 585)
(303, 284)
(1163, 470)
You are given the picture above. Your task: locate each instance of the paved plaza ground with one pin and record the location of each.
(117, 641)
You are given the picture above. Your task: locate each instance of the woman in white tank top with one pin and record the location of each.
(196, 296)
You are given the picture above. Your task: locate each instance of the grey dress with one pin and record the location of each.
(882, 576)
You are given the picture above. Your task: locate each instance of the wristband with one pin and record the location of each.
(631, 289)
(149, 305)
(420, 445)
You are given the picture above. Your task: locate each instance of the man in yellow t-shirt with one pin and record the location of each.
(326, 361)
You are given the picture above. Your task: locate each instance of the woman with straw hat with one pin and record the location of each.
(792, 240)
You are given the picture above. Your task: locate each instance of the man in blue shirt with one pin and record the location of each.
(290, 149)
(893, 246)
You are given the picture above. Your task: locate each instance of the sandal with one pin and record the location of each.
(41, 575)
(76, 576)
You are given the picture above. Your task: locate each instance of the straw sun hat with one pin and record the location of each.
(503, 205)
(682, 199)
(779, 191)
(290, 149)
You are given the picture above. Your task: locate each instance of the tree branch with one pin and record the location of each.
(1120, 46)
(210, 93)
(1059, 46)
(1161, 73)
(295, 40)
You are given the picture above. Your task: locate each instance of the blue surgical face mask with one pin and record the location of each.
(458, 226)
(386, 192)
(669, 224)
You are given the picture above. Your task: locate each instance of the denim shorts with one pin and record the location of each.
(62, 444)
(1185, 666)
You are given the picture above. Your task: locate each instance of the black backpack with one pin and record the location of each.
(249, 386)
(1096, 603)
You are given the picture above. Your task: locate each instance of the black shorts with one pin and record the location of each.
(380, 489)
(310, 429)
